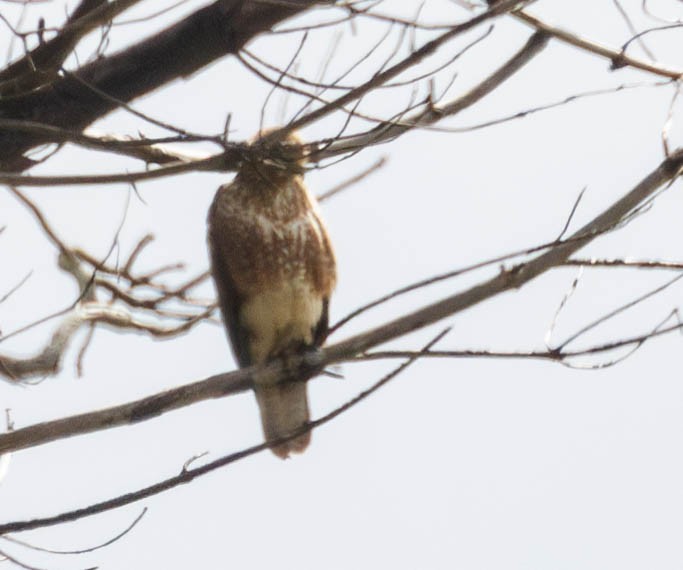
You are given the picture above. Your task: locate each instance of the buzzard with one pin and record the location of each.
(274, 270)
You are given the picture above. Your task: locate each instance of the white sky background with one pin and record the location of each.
(473, 464)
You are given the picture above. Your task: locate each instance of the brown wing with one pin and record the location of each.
(220, 245)
(324, 271)
(230, 302)
(323, 325)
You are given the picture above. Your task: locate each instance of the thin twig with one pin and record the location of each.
(108, 542)
(379, 163)
(380, 78)
(616, 57)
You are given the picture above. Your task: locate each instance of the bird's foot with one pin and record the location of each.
(303, 365)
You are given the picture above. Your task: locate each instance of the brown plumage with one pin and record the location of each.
(274, 270)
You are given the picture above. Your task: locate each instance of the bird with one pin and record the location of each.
(274, 270)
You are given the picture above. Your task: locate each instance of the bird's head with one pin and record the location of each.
(286, 153)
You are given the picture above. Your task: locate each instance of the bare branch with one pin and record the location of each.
(214, 31)
(230, 383)
(514, 278)
(617, 311)
(379, 163)
(635, 35)
(381, 78)
(41, 65)
(187, 475)
(48, 360)
(626, 263)
(561, 356)
(151, 151)
(108, 542)
(87, 310)
(616, 57)
(227, 161)
(393, 129)
(545, 107)
(14, 289)
(4, 556)
(230, 159)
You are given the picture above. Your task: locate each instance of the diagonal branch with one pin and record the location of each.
(214, 31)
(230, 383)
(517, 276)
(618, 58)
(187, 475)
(42, 63)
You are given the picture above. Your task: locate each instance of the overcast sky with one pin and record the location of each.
(467, 463)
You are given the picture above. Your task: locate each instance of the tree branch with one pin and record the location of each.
(224, 384)
(381, 78)
(433, 113)
(618, 58)
(230, 158)
(42, 63)
(186, 475)
(214, 31)
(514, 278)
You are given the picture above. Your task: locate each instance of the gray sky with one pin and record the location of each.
(468, 463)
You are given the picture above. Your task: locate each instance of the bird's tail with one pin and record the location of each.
(284, 409)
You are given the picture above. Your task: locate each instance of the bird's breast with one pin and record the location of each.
(281, 319)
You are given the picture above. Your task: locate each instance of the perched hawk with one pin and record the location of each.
(274, 270)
